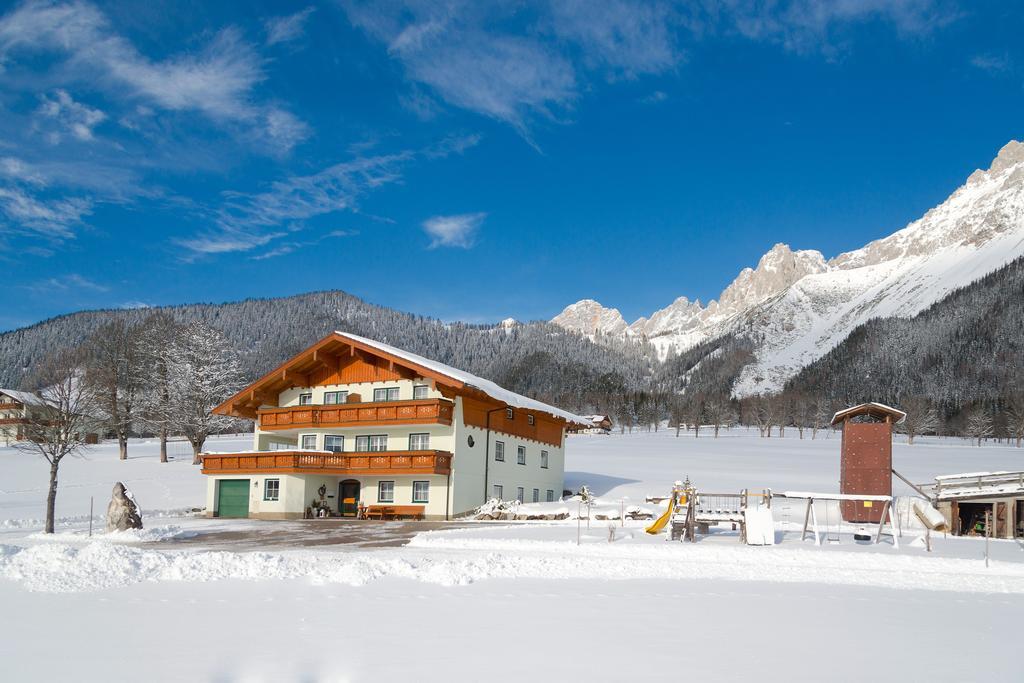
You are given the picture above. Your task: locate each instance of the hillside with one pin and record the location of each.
(965, 348)
(538, 359)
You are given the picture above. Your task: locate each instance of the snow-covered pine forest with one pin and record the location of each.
(960, 359)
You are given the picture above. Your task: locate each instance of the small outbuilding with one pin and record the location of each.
(866, 458)
(973, 501)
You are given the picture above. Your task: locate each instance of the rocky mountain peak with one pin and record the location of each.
(590, 317)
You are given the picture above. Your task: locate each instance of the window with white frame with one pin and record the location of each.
(499, 451)
(499, 491)
(536, 495)
(305, 399)
(332, 398)
(334, 443)
(421, 492)
(520, 494)
(419, 442)
(510, 414)
(544, 459)
(551, 496)
(521, 455)
(272, 489)
(420, 392)
(372, 443)
(529, 419)
(385, 394)
(385, 492)
(308, 442)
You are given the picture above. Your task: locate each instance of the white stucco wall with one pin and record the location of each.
(469, 467)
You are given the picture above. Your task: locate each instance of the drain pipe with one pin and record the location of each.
(487, 449)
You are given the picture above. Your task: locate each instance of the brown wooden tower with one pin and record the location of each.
(866, 461)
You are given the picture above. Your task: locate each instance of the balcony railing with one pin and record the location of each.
(425, 411)
(320, 462)
(13, 421)
(9, 405)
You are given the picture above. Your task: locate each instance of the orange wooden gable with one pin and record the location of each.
(333, 360)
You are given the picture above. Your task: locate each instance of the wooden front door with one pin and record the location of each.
(348, 498)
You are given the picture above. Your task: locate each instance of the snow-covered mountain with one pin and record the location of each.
(797, 306)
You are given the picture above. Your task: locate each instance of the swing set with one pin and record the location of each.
(811, 515)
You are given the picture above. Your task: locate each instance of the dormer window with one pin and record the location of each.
(509, 414)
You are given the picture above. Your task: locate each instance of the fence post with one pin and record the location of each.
(90, 516)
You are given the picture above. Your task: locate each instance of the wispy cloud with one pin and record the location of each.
(454, 231)
(247, 221)
(71, 282)
(991, 62)
(289, 28)
(654, 97)
(807, 26)
(52, 219)
(290, 247)
(68, 117)
(523, 62)
(217, 80)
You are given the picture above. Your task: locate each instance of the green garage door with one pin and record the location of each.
(233, 498)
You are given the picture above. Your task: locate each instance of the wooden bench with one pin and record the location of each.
(394, 511)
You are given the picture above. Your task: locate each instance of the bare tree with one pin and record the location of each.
(820, 417)
(693, 409)
(719, 412)
(758, 412)
(979, 424)
(58, 424)
(921, 418)
(677, 413)
(1015, 418)
(158, 338)
(803, 413)
(114, 369)
(204, 370)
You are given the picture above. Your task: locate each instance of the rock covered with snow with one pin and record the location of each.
(591, 318)
(123, 512)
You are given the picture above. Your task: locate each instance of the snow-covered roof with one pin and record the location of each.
(485, 385)
(870, 408)
(23, 397)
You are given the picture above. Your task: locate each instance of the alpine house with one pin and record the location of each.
(358, 428)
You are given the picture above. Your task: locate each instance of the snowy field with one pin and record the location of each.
(242, 600)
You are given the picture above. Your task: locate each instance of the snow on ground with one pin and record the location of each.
(227, 600)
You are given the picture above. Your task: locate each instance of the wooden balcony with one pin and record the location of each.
(10, 405)
(320, 462)
(378, 414)
(13, 421)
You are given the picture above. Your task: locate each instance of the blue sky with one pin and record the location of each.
(475, 161)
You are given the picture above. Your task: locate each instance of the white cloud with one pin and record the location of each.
(216, 80)
(991, 62)
(71, 282)
(286, 29)
(654, 97)
(520, 61)
(49, 218)
(454, 231)
(69, 116)
(818, 25)
(247, 221)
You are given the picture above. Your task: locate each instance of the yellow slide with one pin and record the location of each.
(660, 523)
